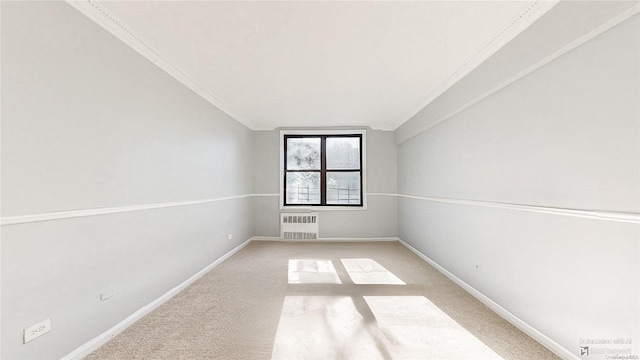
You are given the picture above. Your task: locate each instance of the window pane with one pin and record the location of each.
(343, 187)
(343, 153)
(303, 154)
(303, 188)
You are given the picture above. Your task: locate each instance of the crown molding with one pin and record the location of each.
(608, 25)
(107, 20)
(531, 12)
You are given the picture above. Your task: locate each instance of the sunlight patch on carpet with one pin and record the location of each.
(312, 271)
(414, 327)
(368, 271)
(372, 327)
(322, 327)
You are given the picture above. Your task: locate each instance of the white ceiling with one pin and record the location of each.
(299, 64)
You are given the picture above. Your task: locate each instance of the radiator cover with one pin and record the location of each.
(299, 226)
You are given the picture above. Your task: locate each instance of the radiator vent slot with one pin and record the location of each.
(299, 226)
(299, 219)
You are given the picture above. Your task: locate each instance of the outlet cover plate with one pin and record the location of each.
(37, 330)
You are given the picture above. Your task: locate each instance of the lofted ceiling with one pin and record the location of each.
(323, 63)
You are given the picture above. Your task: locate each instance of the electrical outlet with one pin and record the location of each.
(37, 330)
(229, 236)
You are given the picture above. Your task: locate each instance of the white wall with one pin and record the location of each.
(89, 124)
(378, 220)
(566, 136)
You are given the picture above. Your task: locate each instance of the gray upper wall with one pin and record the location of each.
(553, 31)
(578, 136)
(87, 124)
(567, 137)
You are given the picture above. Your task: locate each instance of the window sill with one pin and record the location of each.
(293, 208)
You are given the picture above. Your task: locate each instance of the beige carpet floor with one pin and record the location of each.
(280, 300)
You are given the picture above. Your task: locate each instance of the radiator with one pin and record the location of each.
(299, 225)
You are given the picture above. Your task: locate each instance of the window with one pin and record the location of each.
(322, 169)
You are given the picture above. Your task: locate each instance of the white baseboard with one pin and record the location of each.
(275, 238)
(266, 238)
(95, 343)
(103, 338)
(504, 313)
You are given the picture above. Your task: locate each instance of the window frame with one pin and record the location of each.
(323, 134)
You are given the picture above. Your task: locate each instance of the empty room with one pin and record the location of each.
(320, 180)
